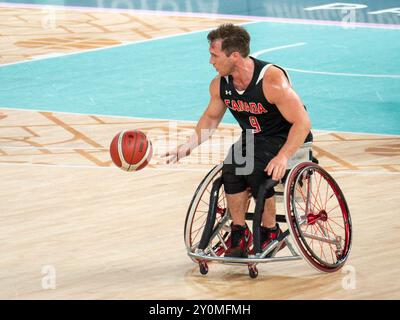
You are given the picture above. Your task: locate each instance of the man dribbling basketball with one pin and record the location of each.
(262, 100)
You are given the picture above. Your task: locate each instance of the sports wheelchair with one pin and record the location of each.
(315, 212)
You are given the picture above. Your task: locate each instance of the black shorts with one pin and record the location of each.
(246, 168)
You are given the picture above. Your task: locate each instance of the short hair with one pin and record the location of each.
(234, 38)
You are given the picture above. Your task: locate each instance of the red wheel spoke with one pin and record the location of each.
(326, 194)
(331, 197)
(318, 227)
(300, 206)
(315, 197)
(319, 194)
(330, 244)
(337, 217)
(319, 242)
(203, 211)
(307, 203)
(301, 191)
(314, 204)
(318, 231)
(312, 242)
(334, 208)
(336, 223)
(197, 231)
(306, 228)
(328, 230)
(333, 232)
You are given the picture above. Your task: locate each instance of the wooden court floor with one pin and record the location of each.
(30, 33)
(101, 233)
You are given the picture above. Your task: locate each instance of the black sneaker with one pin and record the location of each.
(239, 242)
(270, 234)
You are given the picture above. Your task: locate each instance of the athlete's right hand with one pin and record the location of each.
(176, 154)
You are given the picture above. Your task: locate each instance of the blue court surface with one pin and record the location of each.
(348, 77)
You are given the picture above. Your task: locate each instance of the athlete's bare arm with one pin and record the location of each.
(205, 127)
(278, 91)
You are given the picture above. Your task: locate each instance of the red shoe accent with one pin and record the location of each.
(271, 236)
(242, 248)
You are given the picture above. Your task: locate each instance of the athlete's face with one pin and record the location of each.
(222, 63)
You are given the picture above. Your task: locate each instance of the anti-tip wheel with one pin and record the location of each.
(203, 267)
(253, 272)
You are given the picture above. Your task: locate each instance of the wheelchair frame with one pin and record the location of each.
(215, 225)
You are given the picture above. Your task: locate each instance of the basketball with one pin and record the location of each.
(130, 150)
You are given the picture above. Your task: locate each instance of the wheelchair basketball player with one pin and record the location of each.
(274, 125)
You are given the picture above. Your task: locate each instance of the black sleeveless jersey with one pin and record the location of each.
(250, 107)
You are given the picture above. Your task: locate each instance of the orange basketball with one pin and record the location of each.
(130, 150)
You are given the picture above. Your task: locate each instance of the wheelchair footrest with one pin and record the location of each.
(250, 259)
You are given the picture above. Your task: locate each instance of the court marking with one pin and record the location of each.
(390, 76)
(174, 169)
(183, 121)
(213, 15)
(97, 153)
(260, 52)
(128, 43)
(256, 26)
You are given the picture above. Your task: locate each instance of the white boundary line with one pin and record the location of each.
(208, 15)
(183, 121)
(98, 115)
(112, 167)
(207, 143)
(260, 52)
(395, 136)
(393, 76)
(337, 172)
(352, 172)
(60, 55)
(254, 19)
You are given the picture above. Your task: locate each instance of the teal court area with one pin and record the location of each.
(348, 77)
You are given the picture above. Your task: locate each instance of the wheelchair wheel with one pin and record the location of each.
(196, 216)
(318, 217)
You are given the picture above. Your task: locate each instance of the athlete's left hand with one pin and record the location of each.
(277, 167)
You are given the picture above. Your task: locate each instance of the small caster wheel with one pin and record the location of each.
(253, 272)
(203, 267)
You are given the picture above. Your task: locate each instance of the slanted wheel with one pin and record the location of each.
(196, 216)
(318, 217)
(203, 267)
